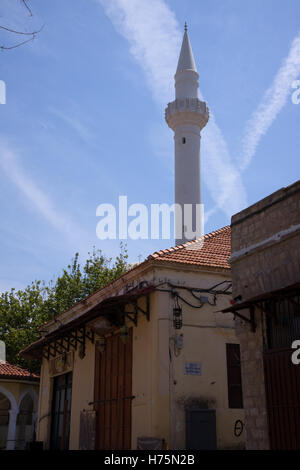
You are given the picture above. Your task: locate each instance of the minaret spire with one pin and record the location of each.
(186, 116)
(186, 58)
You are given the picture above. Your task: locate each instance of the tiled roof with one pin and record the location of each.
(213, 252)
(8, 371)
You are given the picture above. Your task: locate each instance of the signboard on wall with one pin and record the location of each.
(61, 364)
(192, 368)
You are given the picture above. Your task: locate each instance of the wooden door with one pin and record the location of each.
(282, 381)
(201, 429)
(113, 394)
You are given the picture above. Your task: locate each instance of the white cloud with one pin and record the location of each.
(272, 102)
(220, 174)
(39, 200)
(154, 36)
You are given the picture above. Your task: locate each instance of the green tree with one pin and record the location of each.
(23, 311)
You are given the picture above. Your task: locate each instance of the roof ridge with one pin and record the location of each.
(190, 242)
(14, 370)
(156, 255)
(13, 365)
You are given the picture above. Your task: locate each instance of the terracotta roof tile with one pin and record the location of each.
(9, 371)
(214, 252)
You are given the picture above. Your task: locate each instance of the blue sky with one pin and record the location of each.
(84, 118)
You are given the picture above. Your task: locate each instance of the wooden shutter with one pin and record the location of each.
(234, 377)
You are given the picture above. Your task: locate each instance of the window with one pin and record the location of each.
(282, 322)
(4, 420)
(25, 426)
(234, 376)
(61, 412)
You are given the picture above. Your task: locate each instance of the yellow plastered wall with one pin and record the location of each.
(82, 391)
(161, 388)
(162, 391)
(82, 395)
(150, 378)
(45, 397)
(19, 388)
(15, 390)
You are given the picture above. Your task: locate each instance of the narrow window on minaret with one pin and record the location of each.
(183, 140)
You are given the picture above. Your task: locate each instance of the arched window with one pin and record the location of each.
(25, 425)
(4, 420)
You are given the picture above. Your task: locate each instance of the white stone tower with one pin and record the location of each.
(187, 115)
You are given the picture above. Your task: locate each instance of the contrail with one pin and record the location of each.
(272, 102)
(39, 200)
(154, 36)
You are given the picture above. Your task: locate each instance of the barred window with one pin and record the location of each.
(282, 321)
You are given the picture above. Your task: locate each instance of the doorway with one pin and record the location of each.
(113, 393)
(61, 412)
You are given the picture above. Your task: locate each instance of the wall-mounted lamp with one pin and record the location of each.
(177, 315)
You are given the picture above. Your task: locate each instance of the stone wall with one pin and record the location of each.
(266, 244)
(265, 257)
(256, 422)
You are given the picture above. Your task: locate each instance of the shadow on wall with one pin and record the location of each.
(189, 403)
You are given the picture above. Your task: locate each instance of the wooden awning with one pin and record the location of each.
(285, 293)
(77, 331)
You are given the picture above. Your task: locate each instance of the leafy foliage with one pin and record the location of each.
(23, 311)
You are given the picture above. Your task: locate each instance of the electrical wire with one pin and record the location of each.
(187, 302)
(199, 298)
(211, 290)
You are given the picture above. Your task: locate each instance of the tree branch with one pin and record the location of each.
(23, 33)
(4, 48)
(27, 7)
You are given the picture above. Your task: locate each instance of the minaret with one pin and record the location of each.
(187, 115)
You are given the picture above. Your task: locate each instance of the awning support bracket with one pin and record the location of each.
(140, 309)
(250, 320)
(77, 336)
(132, 316)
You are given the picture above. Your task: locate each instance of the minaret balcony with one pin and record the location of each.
(187, 111)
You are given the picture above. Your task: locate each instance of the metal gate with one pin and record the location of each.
(113, 393)
(282, 377)
(282, 382)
